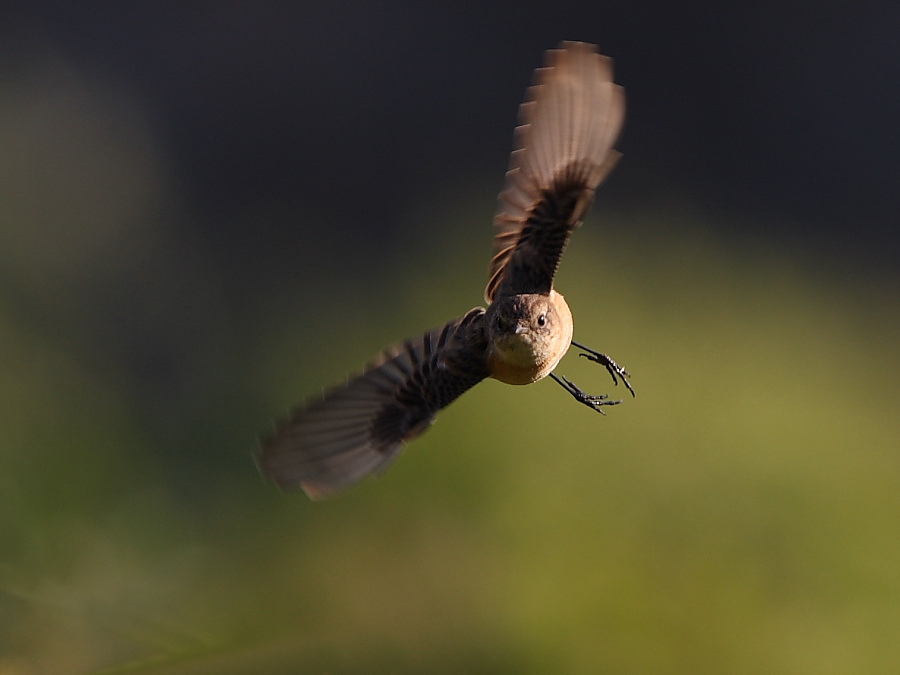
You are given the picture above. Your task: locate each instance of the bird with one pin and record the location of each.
(570, 119)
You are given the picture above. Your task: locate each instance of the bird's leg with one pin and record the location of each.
(611, 366)
(593, 402)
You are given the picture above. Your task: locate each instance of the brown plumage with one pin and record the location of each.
(358, 428)
(569, 122)
(563, 150)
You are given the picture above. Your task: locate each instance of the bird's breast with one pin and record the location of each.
(516, 361)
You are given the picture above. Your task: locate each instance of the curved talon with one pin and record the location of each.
(611, 366)
(579, 392)
(595, 402)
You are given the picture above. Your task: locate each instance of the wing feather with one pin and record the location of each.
(359, 428)
(569, 122)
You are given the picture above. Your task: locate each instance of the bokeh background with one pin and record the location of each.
(208, 210)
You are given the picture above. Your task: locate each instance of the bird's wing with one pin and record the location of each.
(359, 428)
(569, 122)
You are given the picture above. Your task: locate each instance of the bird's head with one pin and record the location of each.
(530, 329)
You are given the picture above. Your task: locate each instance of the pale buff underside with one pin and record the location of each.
(526, 360)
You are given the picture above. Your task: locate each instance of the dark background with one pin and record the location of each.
(786, 111)
(208, 210)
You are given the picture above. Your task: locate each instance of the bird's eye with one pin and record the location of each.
(542, 319)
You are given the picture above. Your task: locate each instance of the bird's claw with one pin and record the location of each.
(613, 368)
(591, 401)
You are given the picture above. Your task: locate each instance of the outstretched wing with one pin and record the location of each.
(569, 121)
(357, 429)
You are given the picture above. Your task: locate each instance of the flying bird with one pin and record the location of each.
(563, 149)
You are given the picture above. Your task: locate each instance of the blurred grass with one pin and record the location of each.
(740, 515)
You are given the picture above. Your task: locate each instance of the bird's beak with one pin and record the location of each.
(521, 328)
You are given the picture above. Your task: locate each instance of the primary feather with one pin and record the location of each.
(359, 428)
(569, 122)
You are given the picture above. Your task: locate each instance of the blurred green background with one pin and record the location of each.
(740, 515)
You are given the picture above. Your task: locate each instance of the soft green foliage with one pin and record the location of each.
(740, 515)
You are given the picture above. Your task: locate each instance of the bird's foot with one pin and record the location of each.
(614, 369)
(591, 401)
